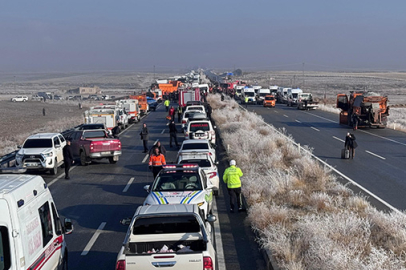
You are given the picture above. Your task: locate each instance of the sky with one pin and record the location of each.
(54, 35)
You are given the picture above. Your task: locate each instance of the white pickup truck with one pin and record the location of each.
(174, 236)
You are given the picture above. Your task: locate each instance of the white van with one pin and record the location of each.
(238, 90)
(261, 95)
(292, 96)
(31, 233)
(250, 94)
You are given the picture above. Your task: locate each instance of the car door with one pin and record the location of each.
(58, 149)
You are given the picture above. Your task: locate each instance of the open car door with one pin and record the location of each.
(342, 102)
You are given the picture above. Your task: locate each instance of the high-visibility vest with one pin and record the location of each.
(232, 176)
(155, 160)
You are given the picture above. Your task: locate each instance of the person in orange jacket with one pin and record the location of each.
(156, 161)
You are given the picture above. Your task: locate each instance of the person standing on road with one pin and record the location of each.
(172, 113)
(158, 145)
(156, 161)
(166, 103)
(116, 130)
(350, 144)
(43, 112)
(144, 137)
(231, 177)
(246, 102)
(179, 110)
(172, 133)
(67, 158)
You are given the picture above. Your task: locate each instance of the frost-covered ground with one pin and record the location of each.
(302, 214)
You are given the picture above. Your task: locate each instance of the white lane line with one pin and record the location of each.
(93, 239)
(315, 128)
(147, 155)
(298, 121)
(404, 144)
(338, 139)
(285, 115)
(219, 242)
(378, 156)
(128, 184)
(322, 117)
(59, 177)
(167, 124)
(163, 131)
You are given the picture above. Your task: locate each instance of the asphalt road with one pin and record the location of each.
(100, 194)
(379, 164)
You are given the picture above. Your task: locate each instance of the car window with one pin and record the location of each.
(200, 162)
(56, 141)
(197, 146)
(46, 223)
(38, 143)
(61, 138)
(94, 134)
(199, 126)
(165, 225)
(177, 181)
(5, 255)
(57, 221)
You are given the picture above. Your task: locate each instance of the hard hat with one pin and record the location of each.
(232, 162)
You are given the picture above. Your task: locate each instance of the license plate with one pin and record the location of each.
(106, 153)
(31, 164)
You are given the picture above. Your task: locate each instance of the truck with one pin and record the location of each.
(106, 116)
(292, 97)
(282, 96)
(170, 87)
(45, 95)
(306, 102)
(261, 95)
(142, 102)
(94, 144)
(131, 108)
(174, 236)
(188, 95)
(363, 109)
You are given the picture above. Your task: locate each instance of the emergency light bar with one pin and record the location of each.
(174, 166)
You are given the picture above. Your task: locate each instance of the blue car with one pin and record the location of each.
(152, 103)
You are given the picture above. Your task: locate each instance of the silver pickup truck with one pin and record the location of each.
(172, 235)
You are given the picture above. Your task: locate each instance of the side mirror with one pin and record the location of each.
(125, 221)
(211, 218)
(217, 163)
(68, 226)
(19, 146)
(146, 188)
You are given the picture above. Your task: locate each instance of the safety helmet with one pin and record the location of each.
(232, 162)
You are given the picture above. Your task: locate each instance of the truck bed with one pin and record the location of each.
(141, 248)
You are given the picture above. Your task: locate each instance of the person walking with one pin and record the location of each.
(231, 177)
(350, 144)
(246, 102)
(172, 134)
(67, 158)
(144, 137)
(161, 148)
(156, 161)
(172, 113)
(209, 111)
(179, 110)
(166, 103)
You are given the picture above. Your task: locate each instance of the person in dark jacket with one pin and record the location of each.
(116, 130)
(67, 158)
(209, 111)
(179, 110)
(350, 144)
(158, 145)
(144, 137)
(172, 134)
(172, 113)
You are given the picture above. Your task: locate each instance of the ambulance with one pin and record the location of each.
(32, 235)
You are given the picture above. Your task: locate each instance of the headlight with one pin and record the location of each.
(50, 154)
(19, 156)
(200, 204)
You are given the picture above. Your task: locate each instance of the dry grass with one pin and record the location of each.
(304, 215)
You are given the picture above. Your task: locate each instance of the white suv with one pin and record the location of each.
(200, 129)
(42, 151)
(19, 99)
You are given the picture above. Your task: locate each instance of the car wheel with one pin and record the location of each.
(83, 158)
(24, 100)
(112, 161)
(65, 261)
(13, 100)
(54, 170)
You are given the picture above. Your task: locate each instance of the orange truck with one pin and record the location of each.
(363, 109)
(170, 87)
(142, 102)
(269, 101)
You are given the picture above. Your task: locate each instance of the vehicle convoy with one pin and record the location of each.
(31, 233)
(292, 97)
(306, 102)
(41, 152)
(261, 95)
(269, 101)
(19, 99)
(172, 236)
(363, 109)
(89, 145)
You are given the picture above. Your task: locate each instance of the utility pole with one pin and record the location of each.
(303, 76)
(14, 83)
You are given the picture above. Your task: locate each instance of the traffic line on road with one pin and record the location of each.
(128, 184)
(322, 117)
(341, 140)
(163, 131)
(315, 128)
(378, 156)
(59, 177)
(298, 121)
(219, 242)
(93, 239)
(404, 144)
(285, 115)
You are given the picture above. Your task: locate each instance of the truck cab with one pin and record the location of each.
(292, 96)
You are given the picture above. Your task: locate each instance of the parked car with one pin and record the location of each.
(57, 97)
(37, 98)
(200, 129)
(42, 151)
(198, 146)
(19, 99)
(152, 103)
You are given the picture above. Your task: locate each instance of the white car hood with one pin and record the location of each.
(176, 197)
(34, 151)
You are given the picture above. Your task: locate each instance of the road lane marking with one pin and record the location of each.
(128, 184)
(285, 115)
(59, 177)
(163, 131)
(378, 156)
(322, 117)
(298, 121)
(341, 140)
(93, 239)
(219, 242)
(404, 144)
(315, 128)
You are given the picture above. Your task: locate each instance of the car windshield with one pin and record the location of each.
(94, 134)
(269, 98)
(294, 95)
(195, 108)
(200, 162)
(38, 143)
(197, 146)
(199, 126)
(263, 94)
(165, 225)
(177, 181)
(249, 94)
(87, 127)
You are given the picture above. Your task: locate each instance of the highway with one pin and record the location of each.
(379, 164)
(98, 195)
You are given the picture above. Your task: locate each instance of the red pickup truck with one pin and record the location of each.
(94, 144)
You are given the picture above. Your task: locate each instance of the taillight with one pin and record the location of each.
(91, 146)
(212, 174)
(121, 265)
(119, 145)
(183, 121)
(207, 263)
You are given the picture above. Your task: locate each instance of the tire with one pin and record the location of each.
(112, 161)
(54, 170)
(65, 261)
(13, 100)
(24, 100)
(83, 160)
